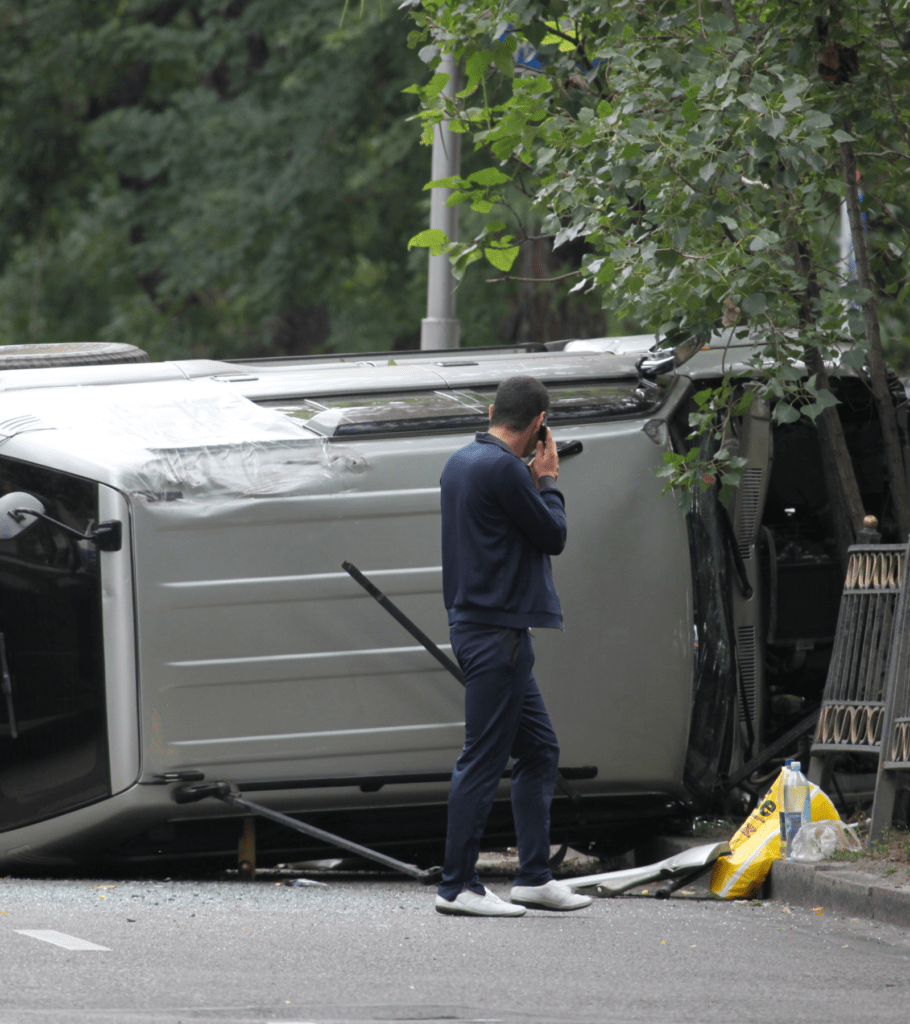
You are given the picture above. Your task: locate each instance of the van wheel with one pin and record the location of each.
(73, 353)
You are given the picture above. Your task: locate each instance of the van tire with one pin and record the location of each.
(71, 353)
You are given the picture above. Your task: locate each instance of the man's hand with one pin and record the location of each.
(545, 461)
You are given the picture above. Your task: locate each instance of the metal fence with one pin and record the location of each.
(853, 711)
(894, 755)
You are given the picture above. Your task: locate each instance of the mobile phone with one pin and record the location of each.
(542, 434)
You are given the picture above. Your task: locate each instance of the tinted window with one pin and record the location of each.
(461, 411)
(50, 620)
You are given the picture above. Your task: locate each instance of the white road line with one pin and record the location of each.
(59, 938)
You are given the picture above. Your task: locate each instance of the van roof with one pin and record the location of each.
(121, 423)
(107, 422)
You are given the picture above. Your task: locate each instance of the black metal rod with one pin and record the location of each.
(229, 793)
(781, 743)
(678, 881)
(330, 839)
(399, 616)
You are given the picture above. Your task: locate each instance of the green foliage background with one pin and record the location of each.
(203, 177)
(699, 149)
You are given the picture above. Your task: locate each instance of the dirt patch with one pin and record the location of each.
(889, 858)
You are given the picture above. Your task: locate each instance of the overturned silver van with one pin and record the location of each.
(174, 607)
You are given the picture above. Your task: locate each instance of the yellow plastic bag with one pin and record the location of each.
(756, 844)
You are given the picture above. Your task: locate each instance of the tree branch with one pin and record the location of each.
(533, 280)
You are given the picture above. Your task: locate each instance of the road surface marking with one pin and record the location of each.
(59, 939)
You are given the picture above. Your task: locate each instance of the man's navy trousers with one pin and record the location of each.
(504, 712)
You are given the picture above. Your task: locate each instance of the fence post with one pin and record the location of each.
(894, 752)
(855, 698)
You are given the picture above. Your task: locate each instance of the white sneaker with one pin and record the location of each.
(474, 905)
(550, 896)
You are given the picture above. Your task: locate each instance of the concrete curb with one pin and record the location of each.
(833, 885)
(836, 887)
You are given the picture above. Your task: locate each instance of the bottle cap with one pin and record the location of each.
(796, 766)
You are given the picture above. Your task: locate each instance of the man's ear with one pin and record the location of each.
(491, 412)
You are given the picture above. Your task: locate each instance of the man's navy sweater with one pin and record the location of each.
(498, 533)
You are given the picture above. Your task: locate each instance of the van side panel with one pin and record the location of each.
(618, 680)
(261, 659)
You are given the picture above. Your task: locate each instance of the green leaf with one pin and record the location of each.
(744, 404)
(502, 259)
(690, 111)
(607, 273)
(489, 176)
(502, 56)
(435, 85)
(785, 413)
(433, 239)
(854, 357)
(774, 126)
(534, 32)
(755, 303)
(604, 109)
(816, 119)
(454, 182)
(842, 136)
(475, 67)
(826, 399)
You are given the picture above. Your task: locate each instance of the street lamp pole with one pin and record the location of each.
(440, 329)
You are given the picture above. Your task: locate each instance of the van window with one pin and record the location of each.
(461, 411)
(53, 722)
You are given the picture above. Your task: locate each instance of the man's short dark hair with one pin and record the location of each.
(518, 400)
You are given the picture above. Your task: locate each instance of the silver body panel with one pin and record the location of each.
(235, 644)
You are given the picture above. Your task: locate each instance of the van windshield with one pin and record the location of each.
(461, 411)
(53, 734)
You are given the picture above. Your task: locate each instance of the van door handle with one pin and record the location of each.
(566, 448)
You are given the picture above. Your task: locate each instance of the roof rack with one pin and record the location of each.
(411, 353)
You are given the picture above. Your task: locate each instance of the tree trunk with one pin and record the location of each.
(894, 462)
(840, 479)
(844, 499)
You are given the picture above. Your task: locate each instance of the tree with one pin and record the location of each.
(701, 150)
(209, 177)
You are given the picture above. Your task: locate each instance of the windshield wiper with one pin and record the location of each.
(7, 684)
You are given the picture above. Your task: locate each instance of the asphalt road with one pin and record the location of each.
(373, 949)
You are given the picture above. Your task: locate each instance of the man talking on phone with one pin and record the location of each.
(501, 522)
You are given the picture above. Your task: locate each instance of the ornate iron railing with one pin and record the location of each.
(853, 710)
(894, 755)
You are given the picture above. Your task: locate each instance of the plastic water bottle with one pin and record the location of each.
(780, 812)
(797, 809)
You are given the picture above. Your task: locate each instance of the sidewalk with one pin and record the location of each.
(861, 889)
